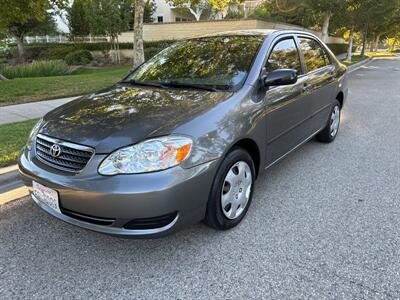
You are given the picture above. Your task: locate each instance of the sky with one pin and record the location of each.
(62, 24)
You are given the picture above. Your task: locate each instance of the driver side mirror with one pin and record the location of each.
(280, 77)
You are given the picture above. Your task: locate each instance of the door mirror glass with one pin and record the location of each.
(280, 77)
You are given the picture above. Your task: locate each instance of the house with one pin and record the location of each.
(165, 12)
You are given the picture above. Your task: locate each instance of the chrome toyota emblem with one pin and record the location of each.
(55, 150)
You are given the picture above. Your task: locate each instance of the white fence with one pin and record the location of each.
(63, 39)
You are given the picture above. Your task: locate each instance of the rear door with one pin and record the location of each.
(286, 107)
(320, 80)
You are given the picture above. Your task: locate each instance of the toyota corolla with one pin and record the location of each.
(184, 136)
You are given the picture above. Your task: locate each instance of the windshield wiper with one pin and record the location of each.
(174, 83)
(145, 83)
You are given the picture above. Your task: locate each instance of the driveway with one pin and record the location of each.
(324, 223)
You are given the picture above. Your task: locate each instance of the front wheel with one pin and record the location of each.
(232, 190)
(329, 133)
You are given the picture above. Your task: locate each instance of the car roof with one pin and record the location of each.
(254, 32)
(242, 32)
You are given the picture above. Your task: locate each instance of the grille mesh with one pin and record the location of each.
(73, 158)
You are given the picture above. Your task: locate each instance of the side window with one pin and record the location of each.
(314, 55)
(284, 55)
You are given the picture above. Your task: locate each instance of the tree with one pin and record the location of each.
(111, 17)
(138, 51)
(348, 19)
(17, 18)
(384, 18)
(326, 8)
(375, 17)
(79, 18)
(198, 7)
(149, 9)
(288, 11)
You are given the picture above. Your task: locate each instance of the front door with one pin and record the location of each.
(287, 110)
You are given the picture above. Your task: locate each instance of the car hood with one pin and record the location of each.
(126, 114)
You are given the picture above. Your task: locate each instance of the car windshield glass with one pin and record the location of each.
(214, 63)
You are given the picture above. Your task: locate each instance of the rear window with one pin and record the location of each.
(314, 55)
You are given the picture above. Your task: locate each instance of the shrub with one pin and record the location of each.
(50, 51)
(59, 52)
(150, 52)
(79, 57)
(41, 68)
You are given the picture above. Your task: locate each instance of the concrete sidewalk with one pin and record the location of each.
(26, 111)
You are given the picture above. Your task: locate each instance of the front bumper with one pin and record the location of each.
(122, 198)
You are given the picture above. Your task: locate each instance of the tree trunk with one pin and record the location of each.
(393, 46)
(138, 51)
(378, 38)
(350, 49)
(112, 49)
(325, 26)
(20, 48)
(197, 13)
(372, 44)
(365, 34)
(118, 51)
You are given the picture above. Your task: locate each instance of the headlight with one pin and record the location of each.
(151, 155)
(33, 134)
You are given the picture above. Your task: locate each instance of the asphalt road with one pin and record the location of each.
(324, 223)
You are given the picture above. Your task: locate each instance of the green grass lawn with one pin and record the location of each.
(12, 138)
(357, 58)
(22, 90)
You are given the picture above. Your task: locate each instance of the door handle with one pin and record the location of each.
(306, 87)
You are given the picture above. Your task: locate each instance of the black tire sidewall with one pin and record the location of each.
(214, 215)
(325, 135)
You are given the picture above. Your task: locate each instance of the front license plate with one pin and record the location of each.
(46, 195)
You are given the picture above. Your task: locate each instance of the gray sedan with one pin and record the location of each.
(184, 136)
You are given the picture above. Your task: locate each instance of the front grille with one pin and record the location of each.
(71, 157)
(151, 223)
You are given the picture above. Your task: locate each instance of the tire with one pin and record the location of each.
(329, 133)
(233, 182)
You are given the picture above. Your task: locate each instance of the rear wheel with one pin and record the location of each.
(329, 133)
(232, 190)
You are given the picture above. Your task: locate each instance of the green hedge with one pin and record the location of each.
(51, 51)
(338, 48)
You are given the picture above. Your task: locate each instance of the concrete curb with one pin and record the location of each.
(8, 169)
(13, 195)
(11, 186)
(358, 65)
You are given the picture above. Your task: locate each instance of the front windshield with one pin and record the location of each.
(216, 62)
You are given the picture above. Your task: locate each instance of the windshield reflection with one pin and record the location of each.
(221, 62)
